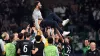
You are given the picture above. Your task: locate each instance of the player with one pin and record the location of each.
(10, 47)
(26, 47)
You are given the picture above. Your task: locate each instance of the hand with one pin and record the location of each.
(48, 32)
(57, 36)
(36, 49)
(39, 32)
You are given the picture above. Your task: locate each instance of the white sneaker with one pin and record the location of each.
(65, 33)
(65, 22)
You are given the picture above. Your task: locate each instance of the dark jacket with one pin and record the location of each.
(93, 53)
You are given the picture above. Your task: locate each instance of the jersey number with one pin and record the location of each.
(25, 48)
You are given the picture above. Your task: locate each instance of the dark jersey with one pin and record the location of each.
(66, 49)
(17, 46)
(26, 47)
(93, 53)
(40, 47)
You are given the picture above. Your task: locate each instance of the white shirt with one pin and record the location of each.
(36, 16)
(2, 45)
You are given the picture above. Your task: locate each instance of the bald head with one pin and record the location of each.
(92, 45)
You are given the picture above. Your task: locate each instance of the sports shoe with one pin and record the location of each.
(65, 33)
(65, 22)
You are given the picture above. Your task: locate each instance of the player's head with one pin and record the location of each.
(50, 40)
(27, 35)
(38, 38)
(15, 36)
(5, 36)
(86, 42)
(92, 45)
(11, 38)
(21, 36)
(37, 4)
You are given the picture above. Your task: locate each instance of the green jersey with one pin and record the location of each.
(10, 49)
(85, 49)
(51, 50)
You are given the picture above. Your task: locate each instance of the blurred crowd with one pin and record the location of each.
(14, 11)
(16, 23)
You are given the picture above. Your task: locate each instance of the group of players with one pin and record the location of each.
(20, 44)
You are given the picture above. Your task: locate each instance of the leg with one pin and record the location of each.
(36, 24)
(53, 16)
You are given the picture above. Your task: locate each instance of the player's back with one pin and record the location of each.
(25, 47)
(10, 49)
(40, 46)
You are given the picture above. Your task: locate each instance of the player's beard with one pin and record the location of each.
(40, 7)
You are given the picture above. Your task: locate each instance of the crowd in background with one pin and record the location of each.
(84, 23)
(84, 19)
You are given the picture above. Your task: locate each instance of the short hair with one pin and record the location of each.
(20, 35)
(50, 40)
(38, 38)
(87, 39)
(26, 34)
(36, 3)
(93, 43)
(4, 35)
(11, 37)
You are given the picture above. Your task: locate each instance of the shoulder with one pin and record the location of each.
(49, 46)
(27, 41)
(18, 41)
(30, 42)
(46, 47)
(97, 50)
(7, 44)
(35, 11)
(42, 42)
(0, 39)
(55, 47)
